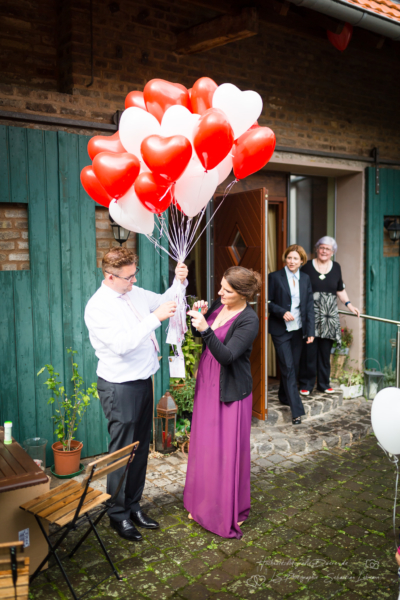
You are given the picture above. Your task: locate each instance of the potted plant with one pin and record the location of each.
(68, 414)
(339, 354)
(182, 435)
(352, 384)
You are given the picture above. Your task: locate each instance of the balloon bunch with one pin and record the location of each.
(173, 148)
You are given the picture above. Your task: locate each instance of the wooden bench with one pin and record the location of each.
(14, 571)
(72, 504)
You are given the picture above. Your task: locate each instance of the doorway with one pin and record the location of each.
(239, 239)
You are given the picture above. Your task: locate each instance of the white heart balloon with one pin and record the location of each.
(178, 120)
(385, 419)
(195, 188)
(224, 168)
(241, 108)
(136, 125)
(130, 213)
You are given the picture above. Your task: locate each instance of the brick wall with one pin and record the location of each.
(14, 245)
(104, 235)
(314, 96)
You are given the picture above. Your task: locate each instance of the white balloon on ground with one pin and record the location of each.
(385, 419)
(178, 120)
(224, 168)
(195, 188)
(241, 108)
(130, 213)
(136, 125)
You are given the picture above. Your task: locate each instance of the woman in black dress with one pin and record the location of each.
(327, 285)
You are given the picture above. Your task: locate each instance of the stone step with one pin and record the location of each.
(346, 423)
(315, 405)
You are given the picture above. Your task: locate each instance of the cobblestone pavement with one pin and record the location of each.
(320, 527)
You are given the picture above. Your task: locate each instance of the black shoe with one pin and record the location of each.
(126, 530)
(142, 520)
(296, 421)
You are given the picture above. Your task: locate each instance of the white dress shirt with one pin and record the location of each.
(121, 341)
(294, 285)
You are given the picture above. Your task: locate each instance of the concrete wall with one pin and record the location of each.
(350, 216)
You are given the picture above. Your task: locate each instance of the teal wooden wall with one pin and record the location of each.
(42, 309)
(382, 273)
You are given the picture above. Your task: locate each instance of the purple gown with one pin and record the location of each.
(217, 489)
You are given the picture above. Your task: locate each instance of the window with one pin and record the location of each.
(14, 243)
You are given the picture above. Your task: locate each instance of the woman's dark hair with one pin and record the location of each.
(245, 282)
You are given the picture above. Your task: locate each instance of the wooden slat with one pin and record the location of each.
(8, 370)
(39, 276)
(110, 469)
(56, 497)
(67, 500)
(18, 164)
(5, 548)
(86, 508)
(32, 503)
(25, 352)
(111, 457)
(69, 509)
(4, 165)
(95, 415)
(54, 260)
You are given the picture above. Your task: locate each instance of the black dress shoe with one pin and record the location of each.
(126, 530)
(142, 520)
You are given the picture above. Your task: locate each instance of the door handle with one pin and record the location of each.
(372, 279)
(255, 304)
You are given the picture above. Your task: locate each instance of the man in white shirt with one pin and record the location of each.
(121, 320)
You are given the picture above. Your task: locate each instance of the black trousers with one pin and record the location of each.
(128, 407)
(288, 350)
(315, 363)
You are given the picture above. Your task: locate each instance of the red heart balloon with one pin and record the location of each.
(104, 143)
(212, 138)
(202, 94)
(135, 99)
(155, 196)
(93, 187)
(159, 95)
(167, 158)
(341, 40)
(252, 150)
(116, 172)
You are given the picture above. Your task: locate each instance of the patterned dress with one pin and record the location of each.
(327, 324)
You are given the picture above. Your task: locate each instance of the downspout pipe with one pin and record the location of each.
(357, 16)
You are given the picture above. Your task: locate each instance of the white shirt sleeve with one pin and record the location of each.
(111, 332)
(154, 300)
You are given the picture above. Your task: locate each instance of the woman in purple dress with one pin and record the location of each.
(217, 489)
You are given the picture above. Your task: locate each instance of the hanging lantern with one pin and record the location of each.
(120, 233)
(373, 380)
(165, 424)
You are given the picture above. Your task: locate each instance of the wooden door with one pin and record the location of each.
(382, 266)
(239, 239)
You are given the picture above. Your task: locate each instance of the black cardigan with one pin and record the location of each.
(233, 354)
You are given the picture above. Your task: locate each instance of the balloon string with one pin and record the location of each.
(227, 191)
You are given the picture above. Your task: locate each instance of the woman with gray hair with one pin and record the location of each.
(327, 285)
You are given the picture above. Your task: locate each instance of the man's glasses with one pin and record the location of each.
(130, 279)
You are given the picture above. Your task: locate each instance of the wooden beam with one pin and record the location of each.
(218, 32)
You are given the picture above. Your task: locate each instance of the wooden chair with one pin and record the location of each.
(14, 571)
(73, 504)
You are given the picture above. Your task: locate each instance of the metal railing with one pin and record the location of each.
(350, 314)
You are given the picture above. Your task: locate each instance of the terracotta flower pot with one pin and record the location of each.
(67, 462)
